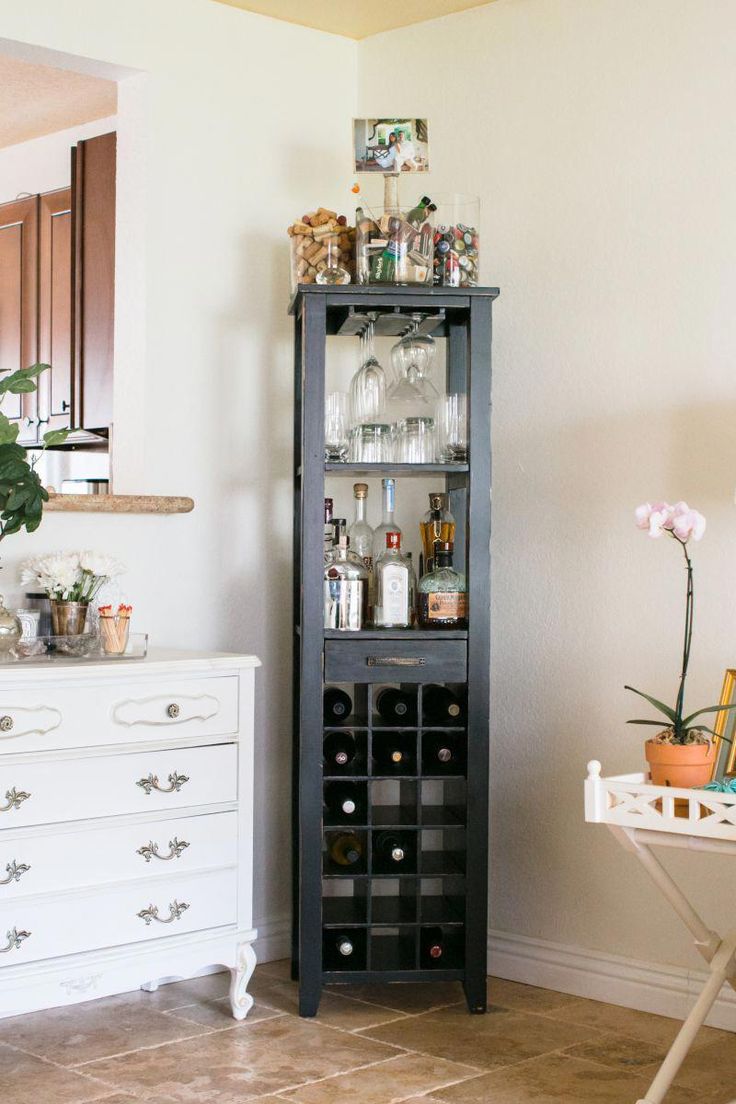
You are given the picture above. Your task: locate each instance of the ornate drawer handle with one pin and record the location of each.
(176, 781)
(15, 938)
(15, 872)
(396, 661)
(6, 723)
(173, 710)
(14, 798)
(150, 850)
(176, 909)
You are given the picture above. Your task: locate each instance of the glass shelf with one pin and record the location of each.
(395, 469)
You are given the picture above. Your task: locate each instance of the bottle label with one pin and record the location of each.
(447, 605)
(395, 591)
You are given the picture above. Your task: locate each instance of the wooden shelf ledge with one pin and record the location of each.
(119, 504)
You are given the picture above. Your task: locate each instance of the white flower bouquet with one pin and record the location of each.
(70, 576)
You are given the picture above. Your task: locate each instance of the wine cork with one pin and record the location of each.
(327, 212)
(319, 256)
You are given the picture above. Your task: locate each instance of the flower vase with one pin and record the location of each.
(68, 618)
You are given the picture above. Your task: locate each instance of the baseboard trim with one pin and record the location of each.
(664, 990)
(274, 939)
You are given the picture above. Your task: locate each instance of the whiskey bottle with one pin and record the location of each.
(344, 848)
(431, 946)
(443, 599)
(337, 705)
(342, 798)
(388, 522)
(440, 706)
(345, 587)
(443, 753)
(394, 752)
(396, 706)
(394, 587)
(338, 749)
(360, 532)
(438, 524)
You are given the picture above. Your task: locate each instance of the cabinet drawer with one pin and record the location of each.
(98, 856)
(46, 718)
(37, 928)
(395, 661)
(110, 785)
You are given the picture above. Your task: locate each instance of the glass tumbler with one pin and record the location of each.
(371, 443)
(452, 429)
(415, 442)
(336, 426)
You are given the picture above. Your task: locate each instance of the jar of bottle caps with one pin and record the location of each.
(395, 246)
(456, 241)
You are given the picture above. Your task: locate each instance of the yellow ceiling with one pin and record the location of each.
(355, 18)
(37, 99)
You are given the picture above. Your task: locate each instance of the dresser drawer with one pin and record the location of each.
(70, 859)
(37, 928)
(395, 661)
(111, 785)
(44, 719)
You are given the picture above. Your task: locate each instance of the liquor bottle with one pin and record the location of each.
(441, 706)
(389, 849)
(396, 706)
(337, 705)
(344, 848)
(438, 524)
(394, 588)
(442, 753)
(422, 211)
(443, 598)
(345, 587)
(342, 798)
(338, 749)
(388, 524)
(360, 532)
(394, 752)
(431, 946)
(329, 532)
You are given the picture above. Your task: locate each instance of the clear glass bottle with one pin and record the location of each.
(438, 524)
(345, 588)
(443, 597)
(329, 531)
(394, 587)
(360, 532)
(388, 523)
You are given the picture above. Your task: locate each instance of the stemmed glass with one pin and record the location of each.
(336, 426)
(368, 385)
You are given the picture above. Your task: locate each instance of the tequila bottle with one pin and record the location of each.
(388, 524)
(394, 588)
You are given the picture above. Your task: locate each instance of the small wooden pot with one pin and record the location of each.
(680, 765)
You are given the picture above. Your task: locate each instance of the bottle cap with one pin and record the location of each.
(348, 806)
(393, 540)
(360, 490)
(396, 756)
(345, 948)
(444, 755)
(397, 854)
(435, 951)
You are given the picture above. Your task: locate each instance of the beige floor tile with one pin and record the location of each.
(84, 1032)
(280, 969)
(619, 1052)
(526, 998)
(556, 1079)
(218, 1015)
(499, 1038)
(179, 993)
(383, 1083)
(657, 1030)
(710, 1070)
(227, 1067)
(29, 1080)
(411, 997)
(334, 1010)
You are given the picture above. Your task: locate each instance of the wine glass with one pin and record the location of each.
(336, 426)
(368, 385)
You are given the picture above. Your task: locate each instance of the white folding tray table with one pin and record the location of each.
(641, 816)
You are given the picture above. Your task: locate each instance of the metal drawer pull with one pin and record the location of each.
(176, 781)
(15, 799)
(396, 661)
(15, 872)
(150, 850)
(173, 710)
(176, 909)
(6, 723)
(15, 938)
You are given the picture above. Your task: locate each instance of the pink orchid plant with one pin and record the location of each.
(681, 524)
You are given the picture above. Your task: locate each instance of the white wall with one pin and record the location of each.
(598, 135)
(44, 164)
(237, 131)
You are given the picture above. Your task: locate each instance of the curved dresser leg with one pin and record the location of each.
(241, 1001)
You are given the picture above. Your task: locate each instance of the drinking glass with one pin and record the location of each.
(415, 442)
(452, 429)
(336, 426)
(368, 385)
(371, 443)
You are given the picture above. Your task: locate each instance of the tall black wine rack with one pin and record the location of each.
(437, 815)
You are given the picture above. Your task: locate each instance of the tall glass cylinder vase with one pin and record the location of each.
(457, 241)
(68, 618)
(392, 247)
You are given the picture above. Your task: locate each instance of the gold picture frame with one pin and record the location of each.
(725, 730)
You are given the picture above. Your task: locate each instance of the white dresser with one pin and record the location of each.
(126, 826)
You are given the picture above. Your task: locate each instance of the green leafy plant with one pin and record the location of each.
(22, 494)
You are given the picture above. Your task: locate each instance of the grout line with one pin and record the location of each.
(154, 1046)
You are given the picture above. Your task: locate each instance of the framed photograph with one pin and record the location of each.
(725, 730)
(391, 145)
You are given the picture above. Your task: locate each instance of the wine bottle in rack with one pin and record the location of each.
(394, 752)
(441, 706)
(337, 705)
(344, 946)
(396, 706)
(344, 848)
(339, 749)
(342, 798)
(389, 850)
(431, 946)
(442, 753)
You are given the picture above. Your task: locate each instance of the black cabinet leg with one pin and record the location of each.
(309, 998)
(475, 994)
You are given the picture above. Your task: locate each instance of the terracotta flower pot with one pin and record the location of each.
(680, 765)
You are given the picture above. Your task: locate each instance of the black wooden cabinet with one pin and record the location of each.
(439, 819)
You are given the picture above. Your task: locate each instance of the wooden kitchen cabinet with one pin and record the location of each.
(54, 309)
(18, 303)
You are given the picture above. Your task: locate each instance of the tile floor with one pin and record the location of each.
(374, 1045)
